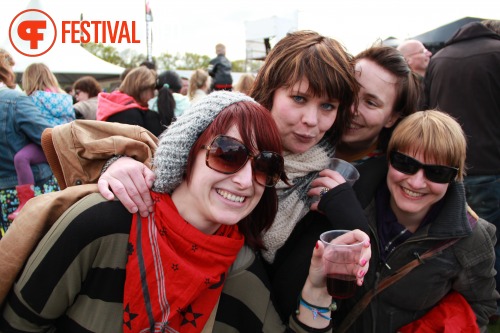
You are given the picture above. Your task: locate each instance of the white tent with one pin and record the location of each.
(67, 61)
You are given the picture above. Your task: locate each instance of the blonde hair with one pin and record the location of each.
(198, 80)
(138, 80)
(435, 134)
(7, 75)
(220, 49)
(245, 83)
(38, 76)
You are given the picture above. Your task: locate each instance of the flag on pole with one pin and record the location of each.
(149, 14)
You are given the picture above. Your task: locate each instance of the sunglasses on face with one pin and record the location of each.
(228, 155)
(441, 174)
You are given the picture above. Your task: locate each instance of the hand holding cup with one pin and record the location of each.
(345, 260)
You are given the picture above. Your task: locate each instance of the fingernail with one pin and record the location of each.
(134, 210)
(361, 274)
(317, 244)
(363, 262)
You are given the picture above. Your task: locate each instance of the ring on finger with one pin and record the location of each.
(323, 191)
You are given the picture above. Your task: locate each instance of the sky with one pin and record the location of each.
(195, 26)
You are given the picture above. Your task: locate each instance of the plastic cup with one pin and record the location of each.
(340, 261)
(346, 169)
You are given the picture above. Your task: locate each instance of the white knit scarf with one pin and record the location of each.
(293, 202)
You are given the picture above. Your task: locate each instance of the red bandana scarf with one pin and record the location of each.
(174, 273)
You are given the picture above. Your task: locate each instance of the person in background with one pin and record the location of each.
(418, 58)
(416, 55)
(220, 70)
(42, 86)
(148, 64)
(199, 84)
(129, 104)
(86, 90)
(69, 90)
(23, 124)
(245, 83)
(171, 80)
(57, 107)
(389, 92)
(216, 211)
(463, 79)
(185, 86)
(416, 203)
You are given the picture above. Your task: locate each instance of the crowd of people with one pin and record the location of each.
(225, 179)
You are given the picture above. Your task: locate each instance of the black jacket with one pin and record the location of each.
(220, 70)
(463, 79)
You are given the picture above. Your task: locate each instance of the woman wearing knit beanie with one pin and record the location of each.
(308, 84)
(103, 269)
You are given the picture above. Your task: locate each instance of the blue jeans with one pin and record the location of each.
(483, 196)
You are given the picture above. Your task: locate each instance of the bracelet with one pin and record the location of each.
(316, 310)
(110, 161)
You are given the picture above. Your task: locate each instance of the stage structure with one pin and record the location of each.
(261, 35)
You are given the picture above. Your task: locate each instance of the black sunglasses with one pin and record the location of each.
(228, 155)
(435, 173)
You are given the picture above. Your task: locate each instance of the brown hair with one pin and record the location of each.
(89, 85)
(323, 61)
(197, 81)
(407, 85)
(245, 83)
(138, 80)
(436, 135)
(7, 75)
(258, 132)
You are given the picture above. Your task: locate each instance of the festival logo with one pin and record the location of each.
(33, 32)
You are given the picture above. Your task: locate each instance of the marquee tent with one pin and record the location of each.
(68, 62)
(436, 38)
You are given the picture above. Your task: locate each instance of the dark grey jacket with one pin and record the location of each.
(463, 79)
(466, 266)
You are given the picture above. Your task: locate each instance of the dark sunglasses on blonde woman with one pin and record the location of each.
(441, 174)
(228, 155)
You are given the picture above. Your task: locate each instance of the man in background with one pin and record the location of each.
(417, 57)
(463, 79)
(220, 70)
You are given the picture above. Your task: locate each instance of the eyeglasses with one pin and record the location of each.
(228, 155)
(441, 174)
(423, 51)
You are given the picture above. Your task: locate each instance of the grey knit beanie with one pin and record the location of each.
(170, 159)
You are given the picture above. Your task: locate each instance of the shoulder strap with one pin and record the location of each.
(363, 303)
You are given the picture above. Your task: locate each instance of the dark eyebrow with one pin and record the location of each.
(372, 96)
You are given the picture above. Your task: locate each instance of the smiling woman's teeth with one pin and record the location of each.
(411, 193)
(230, 196)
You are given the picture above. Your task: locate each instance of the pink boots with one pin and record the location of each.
(24, 193)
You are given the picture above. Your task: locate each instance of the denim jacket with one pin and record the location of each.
(21, 123)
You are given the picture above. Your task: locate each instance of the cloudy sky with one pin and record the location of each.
(197, 25)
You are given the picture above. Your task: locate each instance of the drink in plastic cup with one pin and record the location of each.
(346, 169)
(340, 262)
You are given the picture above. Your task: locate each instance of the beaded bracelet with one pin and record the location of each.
(316, 310)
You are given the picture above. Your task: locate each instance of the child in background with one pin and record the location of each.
(57, 107)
